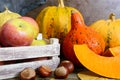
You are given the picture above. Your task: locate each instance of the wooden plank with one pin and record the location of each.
(15, 53)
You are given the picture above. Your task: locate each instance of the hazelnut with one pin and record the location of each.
(28, 74)
(44, 71)
(61, 72)
(68, 64)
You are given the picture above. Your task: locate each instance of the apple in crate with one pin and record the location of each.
(17, 32)
(38, 41)
(32, 22)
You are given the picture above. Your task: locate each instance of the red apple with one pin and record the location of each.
(32, 22)
(16, 32)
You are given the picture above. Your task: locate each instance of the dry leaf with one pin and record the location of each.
(88, 75)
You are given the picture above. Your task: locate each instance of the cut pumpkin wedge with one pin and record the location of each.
(112, 51)
(104, 66)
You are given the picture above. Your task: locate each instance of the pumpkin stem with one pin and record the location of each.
(112, 16)
(6, 8)
(61, 3)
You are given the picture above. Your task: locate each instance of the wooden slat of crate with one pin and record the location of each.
(15, 53)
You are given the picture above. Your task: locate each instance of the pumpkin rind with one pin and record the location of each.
(110, 30)
(55, 21)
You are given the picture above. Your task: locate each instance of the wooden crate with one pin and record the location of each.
(51, 50)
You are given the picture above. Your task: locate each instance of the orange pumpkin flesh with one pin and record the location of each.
(105, 66)
(112, 51)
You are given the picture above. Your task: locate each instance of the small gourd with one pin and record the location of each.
(109, 29)
(81, 34)
(55, 21)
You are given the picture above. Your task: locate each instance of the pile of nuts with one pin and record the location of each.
(62, 71)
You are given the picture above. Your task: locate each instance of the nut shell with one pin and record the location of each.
(44, 71)
(61, 72)
(28, 74)
(68, 64)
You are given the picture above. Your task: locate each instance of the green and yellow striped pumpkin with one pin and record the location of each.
(55, 21)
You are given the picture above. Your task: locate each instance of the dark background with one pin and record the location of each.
(91, 10)
(21, 6)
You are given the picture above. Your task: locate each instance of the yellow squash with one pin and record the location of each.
(55, 21)
(109, 29)
(7, 15)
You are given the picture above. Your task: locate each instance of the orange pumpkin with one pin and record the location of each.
(81, 34)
